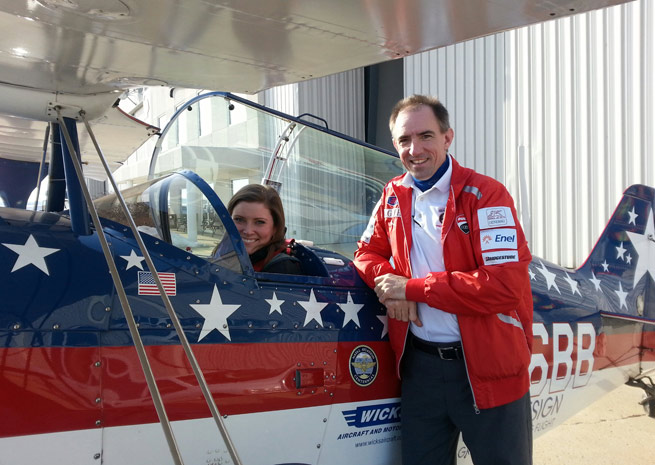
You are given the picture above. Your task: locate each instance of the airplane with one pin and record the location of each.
(124, 340)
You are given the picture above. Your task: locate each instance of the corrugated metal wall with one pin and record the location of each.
(564, 107)
(338, 98)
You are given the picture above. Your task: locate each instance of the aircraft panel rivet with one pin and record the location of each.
(311, 363)
(98, 400)
(224, 416)
(16, 326)
(168, 325)
(274, 325)
(55, 326)
(299, 393)
(249, 325)
(198, 325)
(313, 391)
(98, 422)
(335, 351)
(316, 326)
(334, 377)
(318, 446)
(156, 242)
(251, 292)
(298, 364)
(324, 420)
(332, 394)
(197, 272)
(198, 301)
(295, 326)
(97, 364)
(324, 363)
(96, 456)
(107, 309)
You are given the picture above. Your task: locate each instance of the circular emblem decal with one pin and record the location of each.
(363, 365)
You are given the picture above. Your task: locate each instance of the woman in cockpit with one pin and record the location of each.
(258, 215)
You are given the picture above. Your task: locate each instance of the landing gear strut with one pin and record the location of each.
(648, 401)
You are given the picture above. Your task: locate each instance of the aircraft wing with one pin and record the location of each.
(84, 53)
(118, 133)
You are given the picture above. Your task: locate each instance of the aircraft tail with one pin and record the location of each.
(622, 263)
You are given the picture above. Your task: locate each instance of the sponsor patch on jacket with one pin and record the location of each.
(504, 238)
(493, 217)
(501, 256)
(392, 201)
(368, 232)
(392, 212)
(463, 224)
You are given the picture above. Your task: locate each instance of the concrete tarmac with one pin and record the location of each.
(615, 430)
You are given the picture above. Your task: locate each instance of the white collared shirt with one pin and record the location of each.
(426, 254)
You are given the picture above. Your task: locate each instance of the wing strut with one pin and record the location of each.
(134, 332)
(38, 178)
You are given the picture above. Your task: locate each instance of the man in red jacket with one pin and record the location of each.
(446, 255)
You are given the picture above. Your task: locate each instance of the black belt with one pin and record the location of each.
(443, 350)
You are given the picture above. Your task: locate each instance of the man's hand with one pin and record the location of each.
(404, 310)
(390, 286)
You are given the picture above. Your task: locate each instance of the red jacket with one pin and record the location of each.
(492, 300)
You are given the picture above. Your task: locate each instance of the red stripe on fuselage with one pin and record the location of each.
(52, 389)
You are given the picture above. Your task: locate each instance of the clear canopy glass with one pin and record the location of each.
(329, 183)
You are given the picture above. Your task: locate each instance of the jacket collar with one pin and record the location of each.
(443, 184)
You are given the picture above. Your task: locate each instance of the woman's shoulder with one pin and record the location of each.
(284, 261)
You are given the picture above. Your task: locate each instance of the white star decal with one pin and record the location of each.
(596, 281)
(550, 277)
(573, 283)
(350, 309)
(215, 314)
(620, 251)
(133, 260)
(644, 244)
(313, 309)
(605, 265)
(31, 254)
(385, 322)
(275, 304)
(622, 295)
(628, 259)
(532, 275)
(633, 216)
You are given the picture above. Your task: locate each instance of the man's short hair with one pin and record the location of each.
(416, 101)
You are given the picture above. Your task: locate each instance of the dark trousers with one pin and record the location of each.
(437, 404)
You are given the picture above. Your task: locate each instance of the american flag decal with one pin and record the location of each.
(147, 284)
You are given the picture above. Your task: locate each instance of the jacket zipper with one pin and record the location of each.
(409, 263)
(466, 367)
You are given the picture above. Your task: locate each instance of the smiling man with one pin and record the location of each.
(459, 307)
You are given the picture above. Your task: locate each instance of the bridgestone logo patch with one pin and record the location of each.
(503, 256)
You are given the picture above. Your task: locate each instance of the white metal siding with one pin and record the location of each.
(339, 99)
(567, 107)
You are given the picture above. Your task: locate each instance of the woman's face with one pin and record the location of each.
(255, 224)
